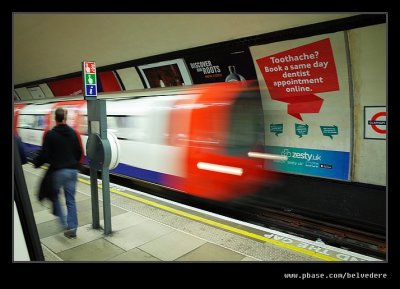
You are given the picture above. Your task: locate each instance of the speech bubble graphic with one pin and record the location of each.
(301, 129)
(276, 128)
(329, 130)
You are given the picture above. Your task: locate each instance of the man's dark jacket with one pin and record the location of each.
(62, 149)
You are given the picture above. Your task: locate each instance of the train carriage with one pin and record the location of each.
(205, 140)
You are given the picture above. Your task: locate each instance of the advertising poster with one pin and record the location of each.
(15, 96)
(36, 92)
(69, 86)
(165, 74)
(236, 65)
(130, 78)
(106, 82)
(109, 81)
(304, 85)
(375, 122)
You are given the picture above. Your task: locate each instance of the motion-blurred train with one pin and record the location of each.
(205, 140)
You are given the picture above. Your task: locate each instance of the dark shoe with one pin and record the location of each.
(70, 234)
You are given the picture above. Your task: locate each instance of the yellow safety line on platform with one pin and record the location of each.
(220, 225)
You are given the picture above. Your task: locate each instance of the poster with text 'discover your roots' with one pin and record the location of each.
(226, 66)
(306, 101)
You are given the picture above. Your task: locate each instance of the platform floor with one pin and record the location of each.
(145, 228)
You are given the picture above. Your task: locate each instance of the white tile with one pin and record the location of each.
(37, 207)
(211, 252)
(250, 259)
(172, 246)
(123, 221)
(138, 235)
(97, 250)
(59, 242)
(134, 255)
(49, 255)
(80, 197)
(44, 216)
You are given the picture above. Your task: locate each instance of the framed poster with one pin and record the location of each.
(227, 66)
(165, 73)
(69, 86)
(36, 92)
(16, 96)
(304, 85)
(374, 122)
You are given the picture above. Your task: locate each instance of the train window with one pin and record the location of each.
(83, 127)
(40, 121)
(207, 126)
(131, 127)
(25, 121)
(31, 121)
(246, 125)
(72, 115)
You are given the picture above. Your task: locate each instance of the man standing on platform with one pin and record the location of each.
(62, 149)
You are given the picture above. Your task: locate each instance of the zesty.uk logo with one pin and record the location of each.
(301, 155)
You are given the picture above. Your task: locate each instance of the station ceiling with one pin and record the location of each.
(52, 44)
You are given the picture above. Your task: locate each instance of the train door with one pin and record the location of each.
(225, 126)
(17, 108)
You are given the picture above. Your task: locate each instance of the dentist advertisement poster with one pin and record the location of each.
(306, 101)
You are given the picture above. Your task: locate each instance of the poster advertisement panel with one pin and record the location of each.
(36, 92)
(304, 85)
(227, 66)
(165, 74)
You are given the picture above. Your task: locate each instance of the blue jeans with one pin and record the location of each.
(66, 179)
